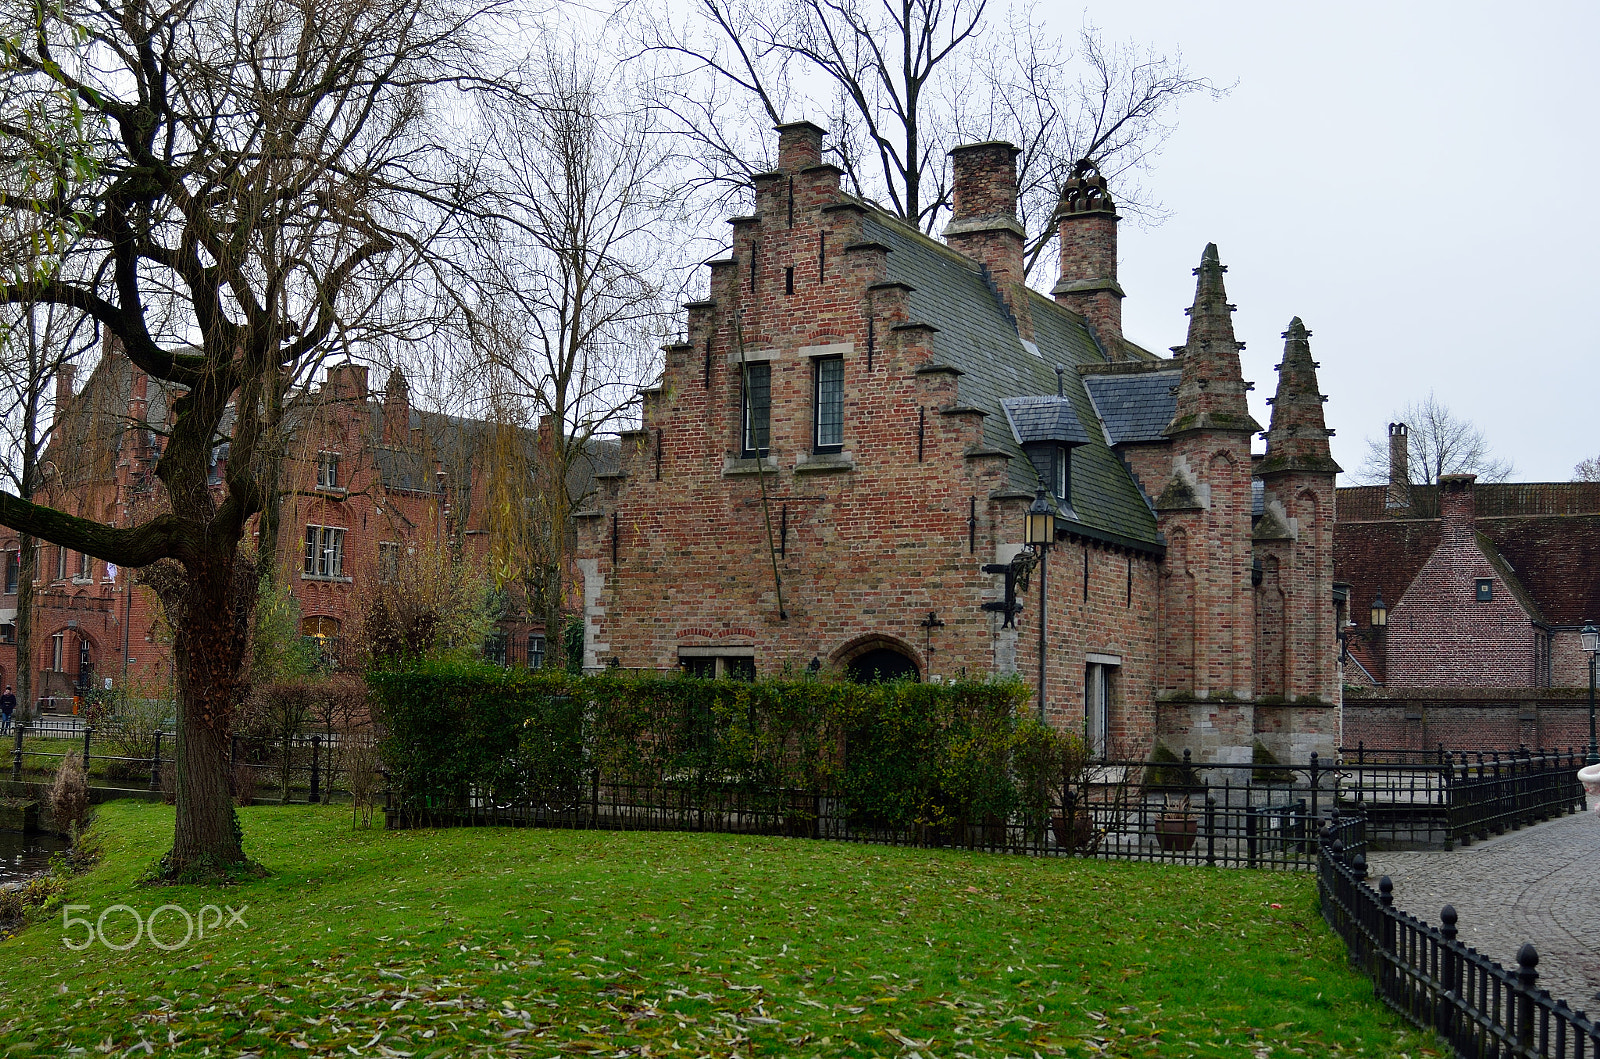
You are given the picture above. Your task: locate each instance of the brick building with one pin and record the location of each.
(368, 479)
(835, 465)
(1485, 589)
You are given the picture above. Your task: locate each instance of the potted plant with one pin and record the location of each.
(1177, 827)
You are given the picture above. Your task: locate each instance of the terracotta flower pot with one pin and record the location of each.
(1176, 833)
(1077, 836)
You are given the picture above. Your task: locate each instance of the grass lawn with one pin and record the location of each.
(542, 943)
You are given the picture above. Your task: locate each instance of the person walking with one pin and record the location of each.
(8, 706)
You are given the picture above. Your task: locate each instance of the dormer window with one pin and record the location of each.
(1061, 472)
(1047, 428)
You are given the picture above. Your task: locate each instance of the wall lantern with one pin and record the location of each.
(1039, 528)
(1380, 611)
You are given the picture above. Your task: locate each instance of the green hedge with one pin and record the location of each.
(898, 755)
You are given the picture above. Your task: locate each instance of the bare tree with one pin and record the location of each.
(576, 283)
(229, 190)
(1587, 470)
(1440, 442)
(901, 82)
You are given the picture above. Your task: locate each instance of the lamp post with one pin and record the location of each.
(1039, 532)
(1380, 612)
(1591, 644)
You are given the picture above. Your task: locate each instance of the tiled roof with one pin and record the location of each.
(975, 334)
(1136, 407)
(1553, 559)
(1491, 499)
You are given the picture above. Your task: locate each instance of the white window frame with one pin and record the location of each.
(324, 552)
(1099, 700)
(328, 471)
(58, 650)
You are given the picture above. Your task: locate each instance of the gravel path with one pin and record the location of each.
(1540, 884)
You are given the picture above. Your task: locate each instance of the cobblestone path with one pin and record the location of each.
(1540, 884)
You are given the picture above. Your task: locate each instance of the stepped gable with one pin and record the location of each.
(1211, 395)
(1297, 440)
(977, 336)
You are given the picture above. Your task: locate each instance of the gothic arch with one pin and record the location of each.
(887, 655)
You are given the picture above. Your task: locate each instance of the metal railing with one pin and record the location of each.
(311, 766)
(1481, 1009)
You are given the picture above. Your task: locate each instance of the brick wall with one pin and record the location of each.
(1440, 634)
(1478, 720)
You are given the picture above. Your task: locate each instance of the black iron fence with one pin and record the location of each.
(1483, 1010)
(1245, 815)
(1223, 827)
(294, 768)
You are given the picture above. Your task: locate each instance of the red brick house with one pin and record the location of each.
(1485, 588)
(368, 478)
(834, 468)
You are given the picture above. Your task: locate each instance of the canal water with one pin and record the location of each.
(22, 855)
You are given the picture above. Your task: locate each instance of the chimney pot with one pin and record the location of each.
(1087, 225)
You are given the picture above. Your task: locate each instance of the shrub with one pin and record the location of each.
(69, 795)
(898, 755)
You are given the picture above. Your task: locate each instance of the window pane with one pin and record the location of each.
(334, 550)
(830, 403)
(757, 408)
(313, 547)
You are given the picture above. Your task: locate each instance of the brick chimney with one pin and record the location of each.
(984, 224)
(1087, 219)
(1457, 506)
(1398, 497)
(396, 410)
(799, 145)
(347, 382)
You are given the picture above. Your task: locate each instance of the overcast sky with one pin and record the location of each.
(1416, 181)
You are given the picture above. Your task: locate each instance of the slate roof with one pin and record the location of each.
(1135, 408)
(976, 335)
(1043, 419)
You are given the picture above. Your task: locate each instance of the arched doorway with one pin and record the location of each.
(880, 660)
(322, 632)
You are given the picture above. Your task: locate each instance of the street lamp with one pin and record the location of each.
(1039, 532)
(1380, 611)
(1591, 644)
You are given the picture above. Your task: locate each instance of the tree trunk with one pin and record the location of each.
(207, 649)
(27, 569)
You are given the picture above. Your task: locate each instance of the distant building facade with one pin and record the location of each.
(1484, 588)
(368, 480)
(835, 466)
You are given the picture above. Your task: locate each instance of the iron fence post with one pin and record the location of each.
(316, 769)
(155, 764)
(1250, 822)
(594, 797)
(1386, 933)
(1211, 830)
(1315, 783)
(1527, 974)
(16, 755)
(1450, 976)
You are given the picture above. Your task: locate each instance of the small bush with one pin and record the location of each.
(244, 781)
(69, 796)
(16, 901)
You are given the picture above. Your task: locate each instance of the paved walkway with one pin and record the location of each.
(1540, 884)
